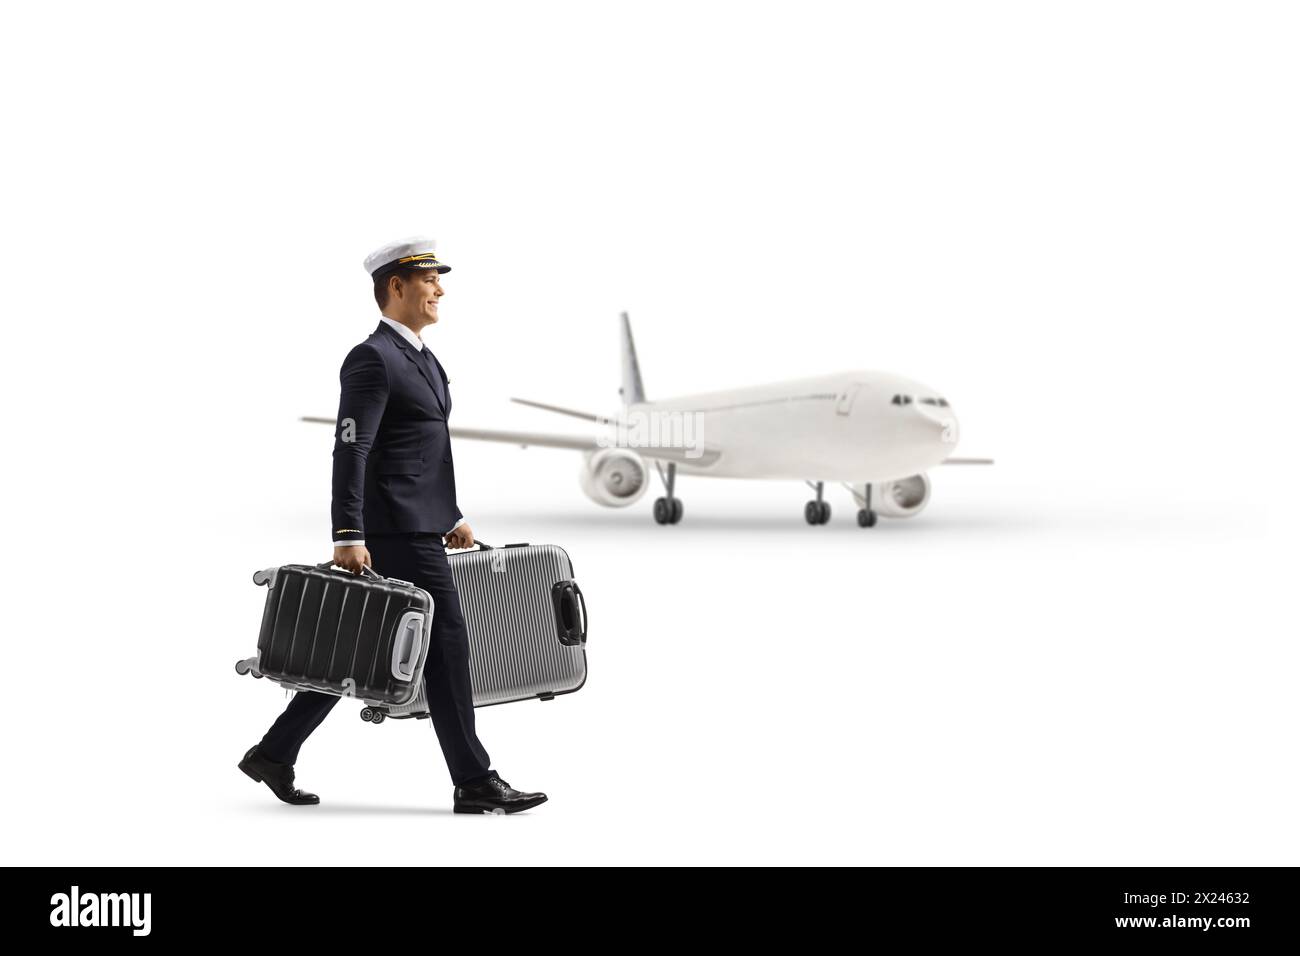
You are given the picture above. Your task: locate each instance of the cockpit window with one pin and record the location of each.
(907, 400)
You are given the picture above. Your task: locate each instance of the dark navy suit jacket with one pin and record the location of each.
(392, 451)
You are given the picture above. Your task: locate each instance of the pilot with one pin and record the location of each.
(392, 421)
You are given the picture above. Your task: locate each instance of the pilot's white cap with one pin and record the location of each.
(415, 252)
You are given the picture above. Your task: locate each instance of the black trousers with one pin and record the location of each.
(422, 560)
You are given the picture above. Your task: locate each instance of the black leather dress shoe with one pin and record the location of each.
(494, 795)
(277, 776)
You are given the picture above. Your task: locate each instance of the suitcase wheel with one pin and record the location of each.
(367, 714)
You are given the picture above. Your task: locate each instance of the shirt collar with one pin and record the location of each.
(416, 342)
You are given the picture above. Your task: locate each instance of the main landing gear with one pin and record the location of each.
(866, 517)
(818, 511)
(668, 510)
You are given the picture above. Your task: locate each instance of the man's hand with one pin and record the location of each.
(461, 537)
(351, 556)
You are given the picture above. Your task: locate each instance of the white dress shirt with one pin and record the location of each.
(417, 343)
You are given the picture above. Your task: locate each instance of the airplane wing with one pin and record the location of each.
(706, 456)
(524, 439)
(967, 461)
(585, 416)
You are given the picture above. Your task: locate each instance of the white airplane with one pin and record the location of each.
(874, 432)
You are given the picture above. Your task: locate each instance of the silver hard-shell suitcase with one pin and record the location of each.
(527, 622)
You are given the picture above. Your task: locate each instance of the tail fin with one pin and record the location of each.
(633, 391)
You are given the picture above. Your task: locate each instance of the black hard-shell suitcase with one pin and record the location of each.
(328, 630)
(527, 622)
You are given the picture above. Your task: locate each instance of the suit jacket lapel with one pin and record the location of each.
(418, 361)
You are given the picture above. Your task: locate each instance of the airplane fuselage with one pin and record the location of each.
(851, 427)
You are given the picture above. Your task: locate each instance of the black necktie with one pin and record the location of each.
(434, 375)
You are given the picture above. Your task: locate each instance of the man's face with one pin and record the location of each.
(419, 296)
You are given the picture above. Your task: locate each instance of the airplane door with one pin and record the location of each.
(844, 401)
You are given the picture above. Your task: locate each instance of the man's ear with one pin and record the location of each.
(395, 286)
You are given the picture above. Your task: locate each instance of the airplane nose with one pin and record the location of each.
(943, 419)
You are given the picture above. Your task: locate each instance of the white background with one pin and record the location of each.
(1078, 221)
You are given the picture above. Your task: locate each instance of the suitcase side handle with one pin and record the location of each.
(570, 623)
(408, 644)
(476, 546)
(366, 570)
(583, 601)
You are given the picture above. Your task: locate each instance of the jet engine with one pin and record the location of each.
(613, 477)
(901, 498)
